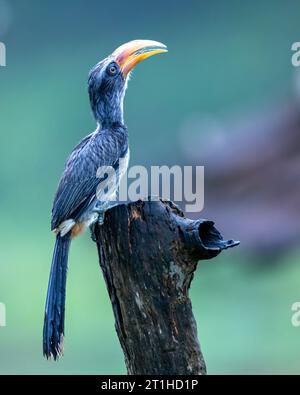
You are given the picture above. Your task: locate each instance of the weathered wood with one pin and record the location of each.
(148, 252)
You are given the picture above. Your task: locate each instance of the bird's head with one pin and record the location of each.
(108, 79)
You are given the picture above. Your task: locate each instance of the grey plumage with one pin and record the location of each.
(77, 188)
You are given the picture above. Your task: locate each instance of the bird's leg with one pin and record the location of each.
(100, 210)
(101, 214)
(92, 230)
(101, 217)
(98, 221)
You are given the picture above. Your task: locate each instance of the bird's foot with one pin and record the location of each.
(93, 231)
(101, 215)
(101, 218)
(98, 220)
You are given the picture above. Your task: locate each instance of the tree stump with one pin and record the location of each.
(148, 252)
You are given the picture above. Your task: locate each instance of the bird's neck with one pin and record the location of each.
(119, 134)
(109, 111)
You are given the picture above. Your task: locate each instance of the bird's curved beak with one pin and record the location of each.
(130, 54)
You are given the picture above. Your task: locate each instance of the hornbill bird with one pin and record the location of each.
(76, 204)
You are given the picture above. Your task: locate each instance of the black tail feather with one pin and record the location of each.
(54, 322)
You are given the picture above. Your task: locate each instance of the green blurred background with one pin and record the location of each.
(224, 58)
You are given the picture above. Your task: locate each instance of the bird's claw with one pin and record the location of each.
(93, 233)
(101, 218)
(101, 215)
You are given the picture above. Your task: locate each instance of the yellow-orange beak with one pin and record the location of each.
(130, 54)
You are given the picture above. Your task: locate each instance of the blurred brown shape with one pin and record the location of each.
(252, 178)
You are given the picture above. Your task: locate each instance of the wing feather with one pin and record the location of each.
(78, 184)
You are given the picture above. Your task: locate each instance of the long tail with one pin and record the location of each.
(54, 321)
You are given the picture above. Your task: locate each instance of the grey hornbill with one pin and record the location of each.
(76, 205)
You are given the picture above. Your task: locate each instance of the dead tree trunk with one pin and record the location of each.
(148, 252)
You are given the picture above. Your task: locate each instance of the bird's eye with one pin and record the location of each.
(112, 69)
